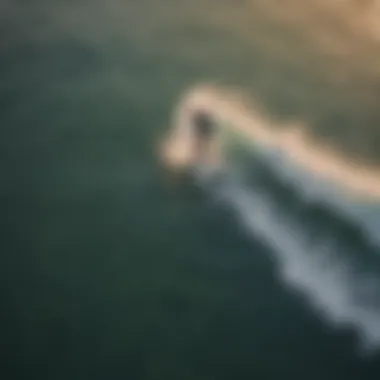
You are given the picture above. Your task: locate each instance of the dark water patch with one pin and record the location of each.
(349, 236)
(105, 273)
(38, 65)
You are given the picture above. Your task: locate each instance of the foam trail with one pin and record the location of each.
(312, 188)
(328, 272)
(332, 283)
(292, 139)
(317, 172)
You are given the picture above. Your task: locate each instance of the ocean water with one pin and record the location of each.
(111, 271)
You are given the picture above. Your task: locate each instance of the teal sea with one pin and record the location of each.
(108, 270)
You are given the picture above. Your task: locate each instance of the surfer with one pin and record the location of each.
(204, 129)
(194, 145)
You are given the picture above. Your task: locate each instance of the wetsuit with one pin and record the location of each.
(204, 130)
(204, 126)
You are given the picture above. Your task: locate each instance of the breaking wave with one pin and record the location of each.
(326, 243)
(321, 255)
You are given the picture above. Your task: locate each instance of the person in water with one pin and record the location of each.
(204, 126)
(204, 132)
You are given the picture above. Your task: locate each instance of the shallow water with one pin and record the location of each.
(109, 270)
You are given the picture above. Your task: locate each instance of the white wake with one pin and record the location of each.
(326, 276)
(318, 268)
(289, 139)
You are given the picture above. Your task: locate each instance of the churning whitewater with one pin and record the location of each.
(340, 282)
(235, 111)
